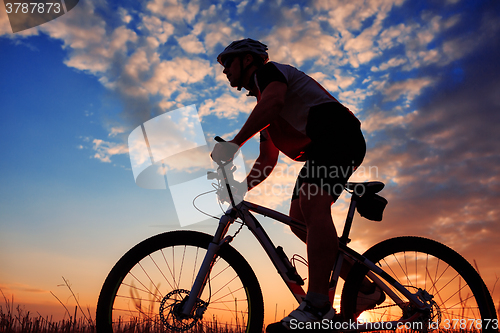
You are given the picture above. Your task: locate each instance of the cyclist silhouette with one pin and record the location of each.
(297, 116)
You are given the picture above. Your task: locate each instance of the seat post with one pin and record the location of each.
(348, 221)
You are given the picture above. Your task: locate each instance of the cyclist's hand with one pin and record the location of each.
(224, 151)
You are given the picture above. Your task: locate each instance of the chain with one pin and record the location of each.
(388, 306)
(239, 229)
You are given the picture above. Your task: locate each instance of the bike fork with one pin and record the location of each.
(206, 266)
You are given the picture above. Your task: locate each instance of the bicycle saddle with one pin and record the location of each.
(365, 187)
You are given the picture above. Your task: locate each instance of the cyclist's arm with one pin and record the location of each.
(264, 164)
(266, 111)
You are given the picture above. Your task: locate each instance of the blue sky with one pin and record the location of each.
(421, 76)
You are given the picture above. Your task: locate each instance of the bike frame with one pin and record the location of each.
(285, 269)
(278, 257)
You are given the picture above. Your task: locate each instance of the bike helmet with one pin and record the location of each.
(247, 45)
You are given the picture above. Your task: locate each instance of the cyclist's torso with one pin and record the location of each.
(288, 131)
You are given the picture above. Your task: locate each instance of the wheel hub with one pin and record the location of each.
(171, 311)
(430, 315)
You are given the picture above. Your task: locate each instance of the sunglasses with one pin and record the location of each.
(229, 60)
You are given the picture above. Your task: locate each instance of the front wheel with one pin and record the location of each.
(147, 287)
(456, 294)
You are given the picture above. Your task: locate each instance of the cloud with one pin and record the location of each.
(191, 44)
(394, 62)
(227, 106)
(335, 82)
(350, 16)
(441, 163)
(91, 46)
(125, 17)
(129, 57)
(218, 34)
(115, 131)
(299, 40)
(20, 287)
(161, 30)
(377, 121)
(408, 89)
(170, 76)
(241, 6)
(174, 10)
(104, 150)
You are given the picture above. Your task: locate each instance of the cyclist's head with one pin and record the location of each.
(240, 49)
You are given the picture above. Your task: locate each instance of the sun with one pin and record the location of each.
(364, 317)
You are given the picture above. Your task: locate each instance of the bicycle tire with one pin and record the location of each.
(460, 295)
(143, 288)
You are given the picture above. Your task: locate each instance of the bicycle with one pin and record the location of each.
(187, 281)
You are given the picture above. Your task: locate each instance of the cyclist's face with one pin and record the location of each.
(232, 70)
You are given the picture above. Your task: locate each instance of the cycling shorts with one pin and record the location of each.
(337, 149)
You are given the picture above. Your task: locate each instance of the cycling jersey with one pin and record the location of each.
(288, 131)
(313, 127)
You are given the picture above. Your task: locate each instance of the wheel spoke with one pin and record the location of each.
(441, 278)
(158, 277)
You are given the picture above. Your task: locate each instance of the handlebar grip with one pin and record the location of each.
(219, 139)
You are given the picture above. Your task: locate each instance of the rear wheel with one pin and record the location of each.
(147, 287)
(457, 295)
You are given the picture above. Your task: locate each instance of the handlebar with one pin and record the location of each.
(219, 139)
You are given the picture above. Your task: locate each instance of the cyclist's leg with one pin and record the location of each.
(338, 148)
(296, 214)
(322, 241)
(322, 247)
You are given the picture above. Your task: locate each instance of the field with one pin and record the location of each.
(14, 319)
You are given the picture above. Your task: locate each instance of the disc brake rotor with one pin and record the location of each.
(171, 311)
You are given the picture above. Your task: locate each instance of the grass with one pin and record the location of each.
(15, 319)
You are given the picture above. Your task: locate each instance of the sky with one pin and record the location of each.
(422, 76)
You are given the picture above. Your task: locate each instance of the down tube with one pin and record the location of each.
(284, 267)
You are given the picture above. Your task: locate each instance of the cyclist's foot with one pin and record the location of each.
(369, 299)
(305, 318)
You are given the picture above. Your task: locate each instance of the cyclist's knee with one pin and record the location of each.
(302, 235)
(296, 214)
(295, 211)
